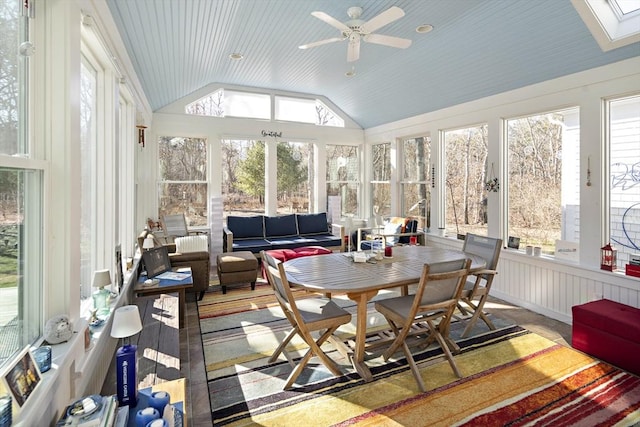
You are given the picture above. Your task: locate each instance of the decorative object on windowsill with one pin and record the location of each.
(58, 329)
(101, 278)
(608, 258)
(126, 323)
(42, 355)
(492, 184)
(513, 242)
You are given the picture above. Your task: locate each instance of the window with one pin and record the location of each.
(243, 173)
(229, 103)
(613, 23)
(381, 182)
(343, 180)
(305, 111)
(415, 194)
(183, 178)
(88, 176)
(295, 177)
(466, 153)
(624, 176)
(21, 194)
(544, 178)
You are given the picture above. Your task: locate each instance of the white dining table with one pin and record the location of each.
(338, 274)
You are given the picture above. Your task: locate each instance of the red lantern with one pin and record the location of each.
(608, 258)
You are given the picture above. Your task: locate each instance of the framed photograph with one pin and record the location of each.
(513, 242)
(22, 378)
(156, 261)
(119, 280)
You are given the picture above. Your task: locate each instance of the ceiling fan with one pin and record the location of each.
(356, 30)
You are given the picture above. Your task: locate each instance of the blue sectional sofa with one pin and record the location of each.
(261, 232)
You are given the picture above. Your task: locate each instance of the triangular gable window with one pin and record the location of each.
(613, 23)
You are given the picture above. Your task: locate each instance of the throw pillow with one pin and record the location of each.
(188, 244)
(392, 228)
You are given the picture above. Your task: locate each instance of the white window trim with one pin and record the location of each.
(607, 28)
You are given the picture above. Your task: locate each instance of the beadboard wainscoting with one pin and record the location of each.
(551, 287)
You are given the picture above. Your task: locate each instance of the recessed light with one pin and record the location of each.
(424, 28)
(236, 56)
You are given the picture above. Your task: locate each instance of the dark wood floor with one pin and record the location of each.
(162, 347)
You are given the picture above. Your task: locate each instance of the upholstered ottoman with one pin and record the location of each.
(609, 331)
(237, 267)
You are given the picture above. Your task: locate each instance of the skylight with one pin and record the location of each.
(613, 23)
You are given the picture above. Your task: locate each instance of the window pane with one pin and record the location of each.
(343, 176)
(380, 186)
(183, 159)
(295, 177)
(416, 195)
(243, 177)
(544, 178)
(624, 149)
(210, 105)
(245, 104)
(295, 109)
(190, 199)
(466, 174)
(20, 259)
(13, 74)
(88, 198)
(347, 195)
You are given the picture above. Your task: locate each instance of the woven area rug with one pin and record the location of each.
(511, 377)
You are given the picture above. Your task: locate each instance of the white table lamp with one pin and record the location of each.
(101, 278)
(148, 243)
(126, 323)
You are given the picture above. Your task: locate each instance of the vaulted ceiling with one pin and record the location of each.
(477, 48)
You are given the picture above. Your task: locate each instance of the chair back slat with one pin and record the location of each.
(175, 225)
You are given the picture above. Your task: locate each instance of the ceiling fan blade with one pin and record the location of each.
(331, 21)
(353, 51)
(387, 40)
(320, 42)
(386, 17)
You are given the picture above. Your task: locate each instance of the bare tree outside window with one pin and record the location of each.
(381, 182)
(183, 178)
(466, 171)
(544, 178)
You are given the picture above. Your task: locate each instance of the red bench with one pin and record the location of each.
(609, 331)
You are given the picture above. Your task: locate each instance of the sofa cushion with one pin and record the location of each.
(309, 251)
(310, 224)
(253, 245)
(280, 226)
(389, 229)
(188, 244)
(246, 227)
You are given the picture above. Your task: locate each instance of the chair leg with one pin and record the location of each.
(314, 350)
(445, 349)
(292, 333)
(253, 286)
(201, 296)
(477, 313)
(224, 289)
(414, 367)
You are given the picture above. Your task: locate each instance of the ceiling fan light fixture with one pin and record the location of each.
(236, 56)
(422, 29)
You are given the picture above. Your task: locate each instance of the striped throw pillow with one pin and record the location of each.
(192, 244)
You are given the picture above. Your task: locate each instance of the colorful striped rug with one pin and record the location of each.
(511, 377)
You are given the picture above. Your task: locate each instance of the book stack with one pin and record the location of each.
(90, 411)
(633, 268)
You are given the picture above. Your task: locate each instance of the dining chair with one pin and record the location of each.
(307, 315)
(435, 300)
(476, 290)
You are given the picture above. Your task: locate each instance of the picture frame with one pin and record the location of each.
(156, 261)
(22, 378)
(513, 242)
(119, 279)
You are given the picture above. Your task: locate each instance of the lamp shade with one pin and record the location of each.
(126, 322)
(148, 243)
(101, 278)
